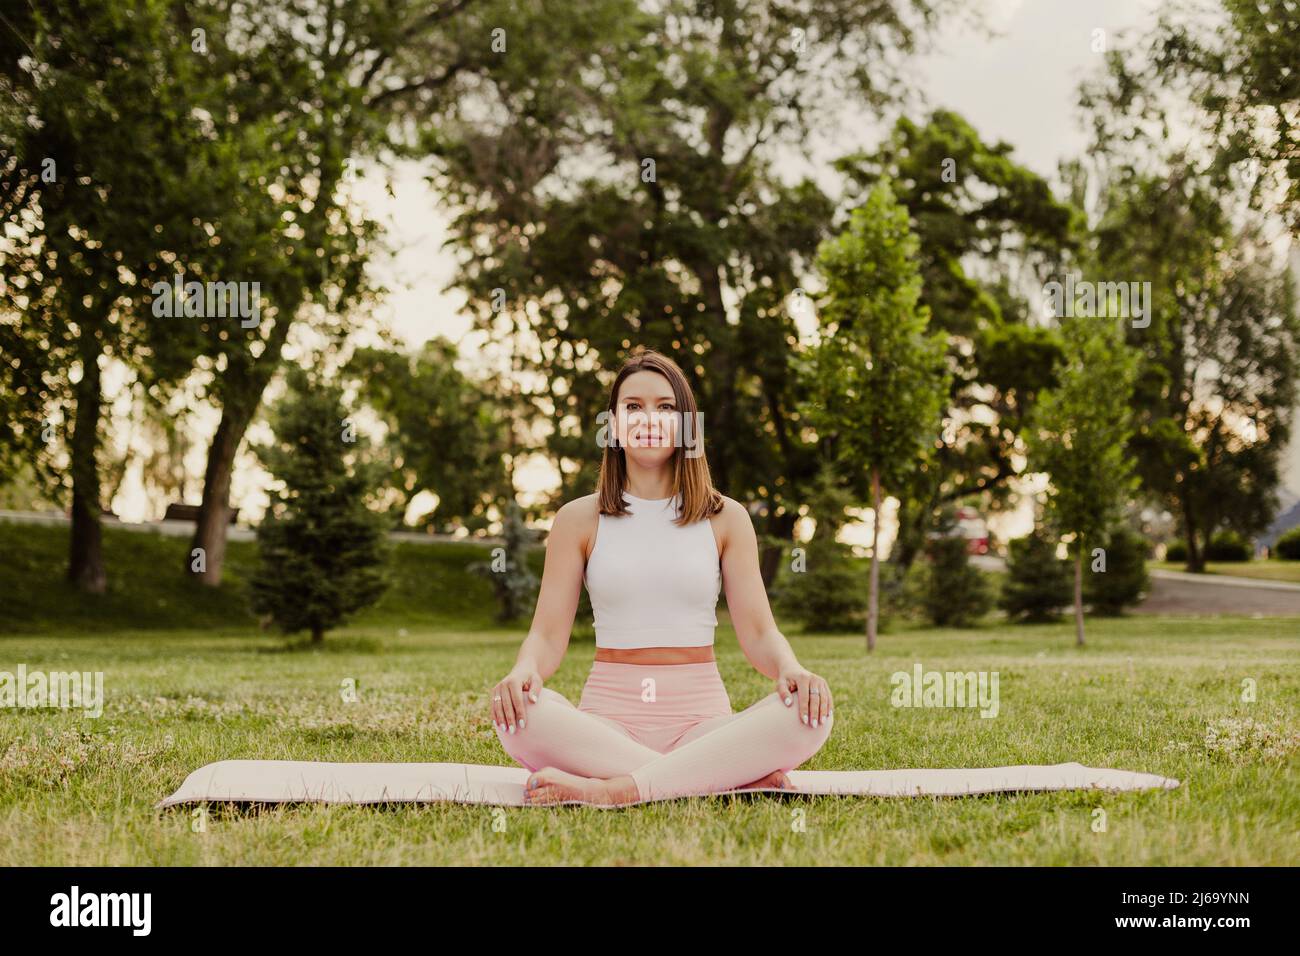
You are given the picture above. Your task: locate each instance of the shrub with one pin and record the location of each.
(321, 549)
(1125, 580)
(512, 579)
(953, 592)
(1288, 546)
(1038, 583)
(1176, 551)
(830, 592)
(1228, 546)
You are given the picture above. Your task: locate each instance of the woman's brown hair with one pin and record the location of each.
(691, 478)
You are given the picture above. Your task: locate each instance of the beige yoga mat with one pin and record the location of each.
(307, 781)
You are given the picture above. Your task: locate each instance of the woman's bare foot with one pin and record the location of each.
(776, 778)
(552, 785)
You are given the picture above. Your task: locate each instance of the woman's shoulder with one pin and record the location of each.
(579, 508)
(731, 513)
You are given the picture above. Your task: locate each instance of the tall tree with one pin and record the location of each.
(624, 191)
(92, 205)
(310, 85)
(878, 374)
(990, 231)
(1078, 435)
(1220, 358)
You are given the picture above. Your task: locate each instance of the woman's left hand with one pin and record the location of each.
(808, 692)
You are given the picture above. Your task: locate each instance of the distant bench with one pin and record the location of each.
(179, 512)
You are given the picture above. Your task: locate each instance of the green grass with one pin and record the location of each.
(1141, 696)
(1271, 570)
(148, 588)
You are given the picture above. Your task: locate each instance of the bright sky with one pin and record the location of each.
(1019, 87)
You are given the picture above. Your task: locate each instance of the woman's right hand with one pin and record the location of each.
(508, 697)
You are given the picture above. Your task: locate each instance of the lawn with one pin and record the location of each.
(1151, 694)
(1271, 570)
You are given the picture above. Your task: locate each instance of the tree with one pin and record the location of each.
(311, 86)
(1120, 578)
(823, 589)
(877, 377)
(92, 207)
(1217, 385)
(1217, 381)
(953, 592)
(320, 547)
(1037, 583)
(1078, 436)
(985, 224)
(1228, 67)
(626, 190)
(446, 434)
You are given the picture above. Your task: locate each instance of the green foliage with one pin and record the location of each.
(545, 167)
(1288, 546)
(981, 218)
(1038, 584)
(1080, 430)
(321, 549)
(1176, 551)
(877, 377)
(446, 433)
(1222, 347)
(953, 592)
(1228, 546)
(512, 579)
(826, 591)
(1125, 581)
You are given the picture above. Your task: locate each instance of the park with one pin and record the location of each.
(333, 346)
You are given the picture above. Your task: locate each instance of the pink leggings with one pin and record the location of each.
(669, 727)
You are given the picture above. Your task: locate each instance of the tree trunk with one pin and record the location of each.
(771, 555)
(1078, 595)
(85, 546)
(1195, 555)
(873, 594)
(317, 635)
(214, 511)
(242, 401)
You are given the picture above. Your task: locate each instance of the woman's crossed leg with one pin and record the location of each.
(592, 758)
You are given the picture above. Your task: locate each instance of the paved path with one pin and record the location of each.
(1178, 592)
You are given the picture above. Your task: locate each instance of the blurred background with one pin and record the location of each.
(462, 216)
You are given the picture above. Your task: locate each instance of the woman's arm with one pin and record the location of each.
(557, 604)
(543, 649)
(751, 615)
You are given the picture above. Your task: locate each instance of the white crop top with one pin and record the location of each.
(652, 583)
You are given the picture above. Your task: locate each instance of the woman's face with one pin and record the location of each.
(646, 417)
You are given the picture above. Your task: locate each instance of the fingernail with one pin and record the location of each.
(787, 701)
(814, 721)
(804, 718)
(512, 728)
(521, 723)
(533, 698)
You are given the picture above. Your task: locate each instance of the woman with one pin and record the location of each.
(655, 545)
